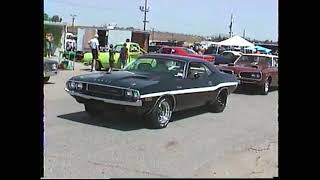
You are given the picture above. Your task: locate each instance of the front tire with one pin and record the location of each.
(91, 110)
(160, 114)
(220, 103)
(46, 79)
(265, 87)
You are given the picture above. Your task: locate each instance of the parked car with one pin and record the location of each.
(183, 51)
(154, 85)
(50, 68)
(227, 57)
(134, 50)
(256, 69)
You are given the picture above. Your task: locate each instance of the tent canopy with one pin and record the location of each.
(236, 41)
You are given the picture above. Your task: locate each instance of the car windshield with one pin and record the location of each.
(118, 47)
(253, 60)
(173, 68)
(189, 51)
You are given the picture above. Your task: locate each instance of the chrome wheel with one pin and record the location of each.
(164, 112)
(266, 86)
(221, 100)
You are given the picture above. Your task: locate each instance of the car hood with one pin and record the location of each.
(202, 56)
(123, 79)
(48, 61)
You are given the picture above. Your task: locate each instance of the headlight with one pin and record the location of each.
(79, 85)
(129, 93)
(72, 85)
(54, 66)
(133, 94)
(136, 94)
(255, 75)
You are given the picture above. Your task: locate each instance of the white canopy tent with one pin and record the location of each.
(236, 41)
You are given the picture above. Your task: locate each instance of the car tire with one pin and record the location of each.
(98, 65)
(91, 110)
(160, 114)
(46, 79)
(219, 104)
(265, 87)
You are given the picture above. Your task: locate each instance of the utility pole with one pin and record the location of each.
(244, 33)
(144, 9)
(73, 19)
(230, 26)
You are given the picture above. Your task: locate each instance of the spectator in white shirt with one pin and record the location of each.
(94, 45)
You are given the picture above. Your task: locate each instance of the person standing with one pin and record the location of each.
(94, 45)
(51, 46)
(111, 58)
(48, 53)
(123, 56)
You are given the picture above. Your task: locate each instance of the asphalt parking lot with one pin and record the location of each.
(242, 141)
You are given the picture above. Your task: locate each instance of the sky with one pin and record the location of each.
(258, 18)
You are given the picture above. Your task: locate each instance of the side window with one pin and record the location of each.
(227, 55)
(134, 48)
(198, 70)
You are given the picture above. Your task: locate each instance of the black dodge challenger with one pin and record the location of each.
(154, 85)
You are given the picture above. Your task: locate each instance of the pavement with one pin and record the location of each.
(242, 141)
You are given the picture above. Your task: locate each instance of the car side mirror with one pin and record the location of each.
(231, 64)
(196, 75)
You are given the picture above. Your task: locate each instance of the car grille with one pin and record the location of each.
(105, 90)
(246, 75)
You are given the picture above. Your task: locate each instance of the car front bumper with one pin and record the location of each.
(50, 73)
(243, 81)
(137, 103)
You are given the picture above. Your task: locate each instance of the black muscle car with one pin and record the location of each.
(50, 68)
(155, 85)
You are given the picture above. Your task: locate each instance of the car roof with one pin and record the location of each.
(262, 55)
(173, 56)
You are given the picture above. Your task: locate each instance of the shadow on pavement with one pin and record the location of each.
(248, 90)
(49, 83)
(119, 120)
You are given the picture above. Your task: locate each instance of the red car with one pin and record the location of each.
(256, 69)
(182, 51)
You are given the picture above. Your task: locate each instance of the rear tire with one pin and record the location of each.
(219, 103)
(160, 114)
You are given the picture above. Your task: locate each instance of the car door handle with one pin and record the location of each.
(179, 87)
(210, 83)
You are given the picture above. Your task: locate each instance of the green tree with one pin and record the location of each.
(46, 17)
(55, 18)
